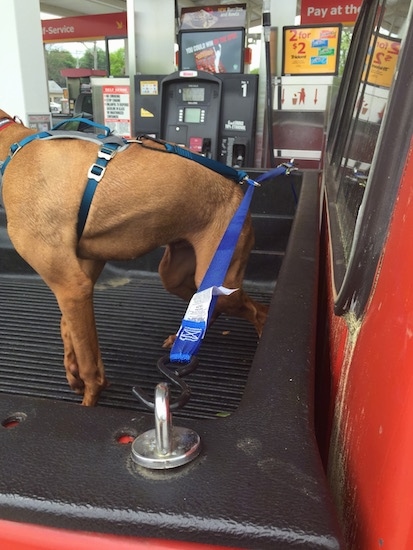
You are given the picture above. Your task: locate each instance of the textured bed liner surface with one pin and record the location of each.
(134, 315)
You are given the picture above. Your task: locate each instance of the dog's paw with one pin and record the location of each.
(168, 343)
(73, 378)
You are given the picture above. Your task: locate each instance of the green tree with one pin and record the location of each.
(346, 35)
(56, 60)
(117, 62)
(93, 59)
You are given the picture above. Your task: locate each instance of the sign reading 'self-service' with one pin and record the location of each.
(85, 27)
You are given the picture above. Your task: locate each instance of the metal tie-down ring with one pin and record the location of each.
(166, 446)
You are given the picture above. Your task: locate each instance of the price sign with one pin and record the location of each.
(383, 63)
(311, 50)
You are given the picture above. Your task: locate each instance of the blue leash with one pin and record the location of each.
(198, 314)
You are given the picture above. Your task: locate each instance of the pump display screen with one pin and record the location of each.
(193, 94)
(192, 114)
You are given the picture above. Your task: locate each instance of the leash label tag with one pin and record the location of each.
(195, 322)
(198, 307)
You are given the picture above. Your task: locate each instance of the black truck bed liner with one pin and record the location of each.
(134, 315)
(258, 482)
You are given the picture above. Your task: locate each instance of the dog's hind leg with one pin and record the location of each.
(177, 272)
(177, 269)
(182, 269)
(239, 303)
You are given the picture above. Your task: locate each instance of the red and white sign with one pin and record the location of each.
(85, 27)
(307, 93)
(329, 11)
(116, 105)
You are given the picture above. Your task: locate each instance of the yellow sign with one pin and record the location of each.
(311, 50)
(383, 62)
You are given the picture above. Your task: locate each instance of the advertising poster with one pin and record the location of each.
(213, 17)
(383, 63)
(217, 51)
(311, 50)
(116, 105)
(40, 123)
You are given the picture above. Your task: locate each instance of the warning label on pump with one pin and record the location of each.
(116, 106)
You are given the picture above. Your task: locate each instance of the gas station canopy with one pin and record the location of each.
(71, 8)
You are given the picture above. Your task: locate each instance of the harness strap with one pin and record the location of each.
(106, 130)
(54, 133)
(106, 153)
(216, 166)
(227, 171)
(15, 147)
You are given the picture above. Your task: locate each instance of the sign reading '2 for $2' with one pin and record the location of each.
(311, 50)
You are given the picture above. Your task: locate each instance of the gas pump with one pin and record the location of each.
(209, 106)
(211, 114)
(190, 111)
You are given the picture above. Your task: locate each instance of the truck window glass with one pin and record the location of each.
(360, 109)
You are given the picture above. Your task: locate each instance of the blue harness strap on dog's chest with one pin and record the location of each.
(106, 152)
(109, 145)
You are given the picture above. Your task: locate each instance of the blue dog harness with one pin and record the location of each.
(109, 143)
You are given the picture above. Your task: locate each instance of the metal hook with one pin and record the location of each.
(174, 373)
(289, 167)
(166, 446)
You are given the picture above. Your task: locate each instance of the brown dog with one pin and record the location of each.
(145, 200)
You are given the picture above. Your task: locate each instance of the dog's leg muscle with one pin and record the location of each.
(183, 267)
(82, 358)
(177, 271)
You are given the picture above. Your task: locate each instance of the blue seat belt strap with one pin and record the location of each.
(198, 314)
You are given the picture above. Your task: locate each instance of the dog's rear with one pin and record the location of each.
(146, 199)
